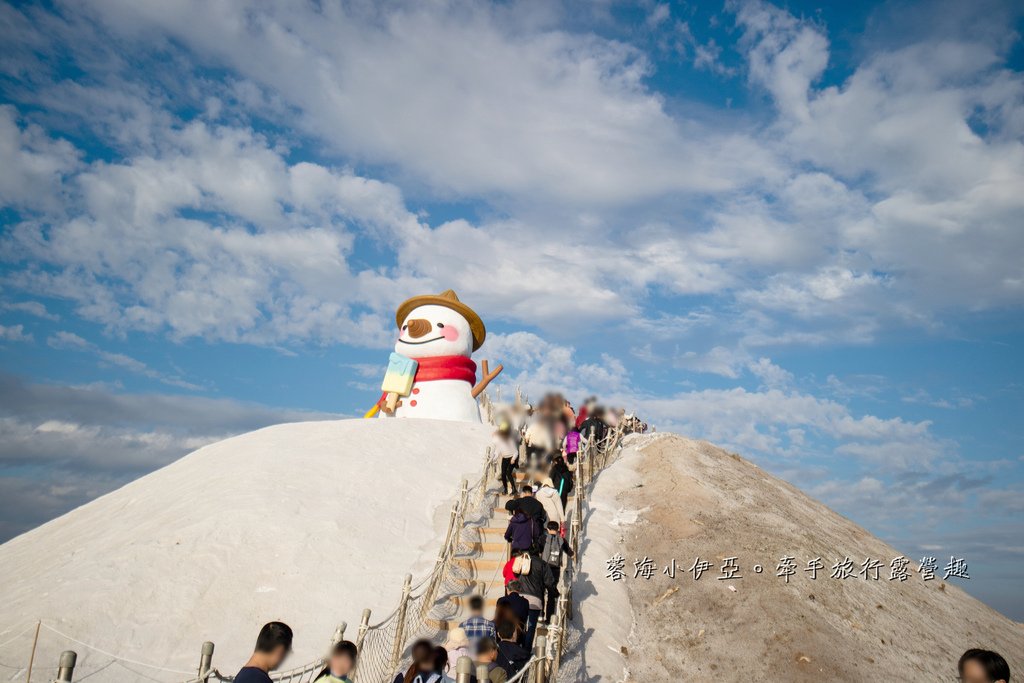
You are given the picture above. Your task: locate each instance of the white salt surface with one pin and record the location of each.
(307, 523)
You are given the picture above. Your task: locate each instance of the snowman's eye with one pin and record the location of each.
(440, 325)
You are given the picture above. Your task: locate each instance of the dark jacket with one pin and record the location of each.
(540, 579)
(520, 532)
(561, 477)
(593, 428)
(531, 507)
(517, 604)
(512, 657)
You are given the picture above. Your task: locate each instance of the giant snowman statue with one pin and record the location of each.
(430, 374)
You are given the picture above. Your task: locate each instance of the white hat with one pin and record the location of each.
(457, 638)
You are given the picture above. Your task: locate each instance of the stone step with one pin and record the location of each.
(442, 624)
(496, 580)
(487, 547)
(478, 563)
(463, 600)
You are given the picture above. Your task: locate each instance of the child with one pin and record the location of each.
(554, 546)
(340, 663)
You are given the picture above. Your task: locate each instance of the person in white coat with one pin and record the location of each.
(548, 496)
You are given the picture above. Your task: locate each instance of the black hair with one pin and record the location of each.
(995, 666)
(423, 647)
(440, 659)
(273, 635)
(476, 603)
(527, 489)
(506, 630)
(345, 647)
(486, 645)
(514, 586)
(554, 526)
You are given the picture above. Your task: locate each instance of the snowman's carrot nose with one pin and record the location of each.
(418, 327)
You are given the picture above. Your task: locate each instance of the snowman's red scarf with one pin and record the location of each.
(444, 367)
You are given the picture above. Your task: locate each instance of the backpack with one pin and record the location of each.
(572, 442)
(540, 533)
(552, 553)
(521, 565)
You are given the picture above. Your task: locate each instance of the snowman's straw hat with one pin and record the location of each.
(448, 299)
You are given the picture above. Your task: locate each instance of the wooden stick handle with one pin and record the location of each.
(488, 376)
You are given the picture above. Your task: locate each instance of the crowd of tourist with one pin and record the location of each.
(548, 443)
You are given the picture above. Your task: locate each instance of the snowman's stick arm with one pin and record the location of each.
(488, 376)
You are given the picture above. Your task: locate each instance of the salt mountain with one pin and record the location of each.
(312, 522)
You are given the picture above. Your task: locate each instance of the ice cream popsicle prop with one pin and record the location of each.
(398, 380)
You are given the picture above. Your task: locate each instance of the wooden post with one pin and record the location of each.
(563, 611)
(464, 670)
(463, 497)
(32, 657)
(442, 556)
(399, 645)
(574, 529)
(364, 626)
(540, 649)
(205, 661)
(67, 666)
(590, 465)
(451, 528)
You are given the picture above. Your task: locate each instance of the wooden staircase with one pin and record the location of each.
(481, 561)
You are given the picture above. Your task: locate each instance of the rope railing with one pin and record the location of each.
(414, 608)
(382, 646)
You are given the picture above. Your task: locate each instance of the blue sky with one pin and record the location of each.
(791, 229)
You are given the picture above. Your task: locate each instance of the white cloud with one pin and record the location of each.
(785, 55)
(658, 14)
(14, 333)
(65, 340)
(758, 421)
(770, 373)
(539, 366)
(33, 308)
(198, 240)
(546, 113)
(720, 360)
(851, 211)
(940, 230)
(62, 446)
(34, 164)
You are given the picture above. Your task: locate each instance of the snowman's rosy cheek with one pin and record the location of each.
(449, 332)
